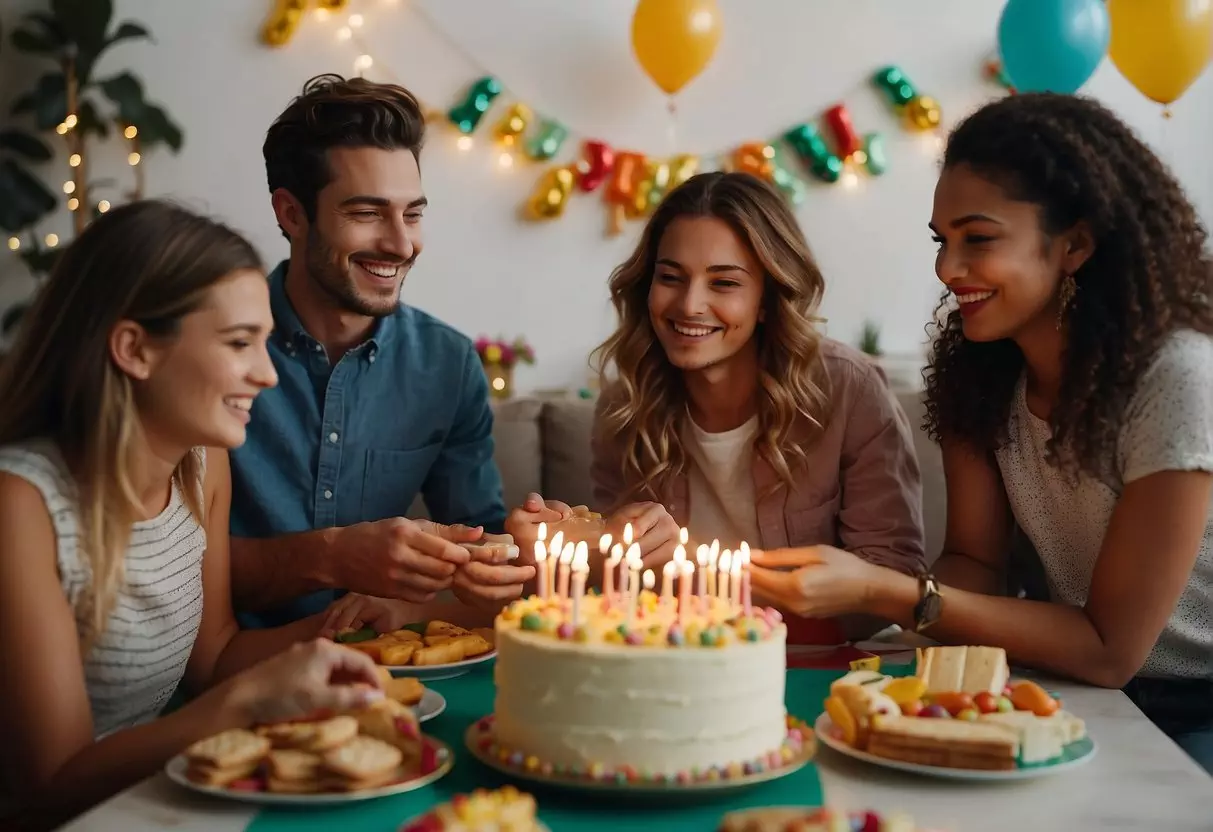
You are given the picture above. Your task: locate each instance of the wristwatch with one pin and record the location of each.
(930, 602)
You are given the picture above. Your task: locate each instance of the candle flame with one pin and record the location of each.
(616, 554)
(683, 536)
(713, 556)
(581, 554)
(557, 542)
(688, 568)
(648, 579)
(633, 556)
(715, 550)
(566, 554)
(541, 551)
(627, 535)
(701, 554)
(604, 544)
(543, 531)
(725, 557)
(736, 567)
(745, 550)
(671, 568)
(680, 554)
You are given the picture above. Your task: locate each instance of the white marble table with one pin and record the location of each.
(1138, 779)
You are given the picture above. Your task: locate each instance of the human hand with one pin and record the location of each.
(523, 522)
(654, 530)
(823, 581)
(355, 611)
(488, 581)
(398, 558)
(309, 677)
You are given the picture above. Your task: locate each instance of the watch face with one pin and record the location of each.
(931, 607)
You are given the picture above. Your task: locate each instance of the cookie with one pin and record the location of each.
(292, 764)
(406, 690)
(395, 724)
(312, 736)
(208, 775)
(228, 749)
(363, 758)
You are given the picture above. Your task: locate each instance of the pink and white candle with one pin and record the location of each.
(684, 591)
(541, 569)
(722, 575)
(735, 580)
(608, 573)
(713, 559)
(581, 568)
(667, 580)
(566, 562)
(701, 560)
(555, 549)
(747, 600)
(634, 564)
(604, 544)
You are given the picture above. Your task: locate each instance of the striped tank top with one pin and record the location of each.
(136, 664)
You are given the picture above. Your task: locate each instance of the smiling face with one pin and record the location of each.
(366, 234)
(705, 300)
(196, 387)
(995, 258)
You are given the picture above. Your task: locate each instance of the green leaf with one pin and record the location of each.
(90, 122)
(27, 40)
(85, 22)
(23, 144)
(156, 127)
(127, 94)
(47, 101)
(24, 198)
(128, 31)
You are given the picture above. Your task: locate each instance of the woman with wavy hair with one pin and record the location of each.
(134, 372)
(1071, 389)
(728, 407)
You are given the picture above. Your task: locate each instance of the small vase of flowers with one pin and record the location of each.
(499, 357)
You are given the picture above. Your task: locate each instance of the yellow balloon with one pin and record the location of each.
(675, 39)
(1161, 46)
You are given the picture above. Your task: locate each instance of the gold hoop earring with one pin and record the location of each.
(1065, 297)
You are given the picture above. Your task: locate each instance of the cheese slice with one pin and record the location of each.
(1041, 738)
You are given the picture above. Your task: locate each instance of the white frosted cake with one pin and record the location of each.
(593, 685)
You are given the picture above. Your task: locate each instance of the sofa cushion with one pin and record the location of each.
(567, 425)
(930, 464)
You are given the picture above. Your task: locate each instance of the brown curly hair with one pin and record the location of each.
(1149, 274)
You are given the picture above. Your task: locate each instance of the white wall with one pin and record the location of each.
(484, 271)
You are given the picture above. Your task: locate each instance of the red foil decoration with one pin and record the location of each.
(847, 141)
(597, 162)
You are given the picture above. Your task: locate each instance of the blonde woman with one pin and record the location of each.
(729, 408)
(146, 346)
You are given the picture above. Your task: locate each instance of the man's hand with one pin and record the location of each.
(397, 558)
(654, 530)
(523, 522)
(488, 582)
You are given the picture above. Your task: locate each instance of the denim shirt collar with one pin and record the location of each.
(291, 330)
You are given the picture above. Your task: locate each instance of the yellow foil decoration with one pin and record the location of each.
(682, 168)
(286, 15)
(513, 124)
(651, 189)
(551, 195)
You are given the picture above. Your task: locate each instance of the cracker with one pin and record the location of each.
(362, 758)
(209, 775)
(398, 654)
(228, 749)
(312, 736)
(273, 784)
(391, 722)
(343, 784)
(292, 764)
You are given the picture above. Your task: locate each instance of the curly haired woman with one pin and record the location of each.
(1071, 389)
(729, 408)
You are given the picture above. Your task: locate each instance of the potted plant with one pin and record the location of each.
(69, 101)
(869, 340)
(499, 357)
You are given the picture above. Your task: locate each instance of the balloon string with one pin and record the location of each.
(672, 129)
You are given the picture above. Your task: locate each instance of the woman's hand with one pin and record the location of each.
(310, 677)
(355, 611)
(654, 530)
(523, 522)
(822, 581)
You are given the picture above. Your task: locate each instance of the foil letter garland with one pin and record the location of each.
(466, 115)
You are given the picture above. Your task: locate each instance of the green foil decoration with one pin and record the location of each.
(873, 148)
(466, 115)
(813, 151)
(547, 141)
(895, 85)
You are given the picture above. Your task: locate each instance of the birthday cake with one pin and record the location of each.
(680, 683)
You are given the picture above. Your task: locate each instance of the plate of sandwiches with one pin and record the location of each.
(505, 808)
(429, 650)
(329, 758)
(960, 716)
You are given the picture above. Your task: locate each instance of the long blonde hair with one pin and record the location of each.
(149, 262)
(647, 398)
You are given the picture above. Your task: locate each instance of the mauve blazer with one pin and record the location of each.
(860, 489)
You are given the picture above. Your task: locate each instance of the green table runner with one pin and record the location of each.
(470, 697)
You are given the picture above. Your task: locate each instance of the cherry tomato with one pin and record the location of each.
(954, 702)
(913, 708)
(986, 702)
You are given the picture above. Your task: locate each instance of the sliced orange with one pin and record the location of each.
(843, 718)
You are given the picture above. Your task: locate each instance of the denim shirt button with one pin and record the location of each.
(328, 495)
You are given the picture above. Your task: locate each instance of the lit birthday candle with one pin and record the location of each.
(627, 535)
(647, 580)
(746, 597)
(713, 559)
(555, 549)
(684, 591)
(684, 536)
(735, 580)
(543, 531)
(604, 544)
(667, 579)
(566, 561)
(608, 573)
(634, 564)
(722, 576)
(701, 559)
(541, 569)
(581, 568)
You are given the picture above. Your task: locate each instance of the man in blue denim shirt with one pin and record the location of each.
(376, 402)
